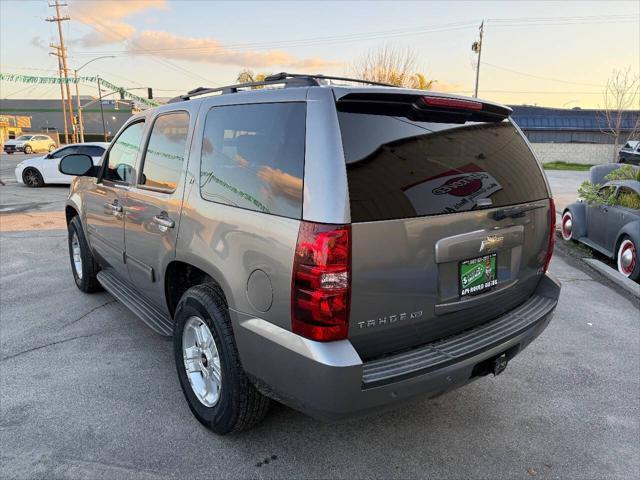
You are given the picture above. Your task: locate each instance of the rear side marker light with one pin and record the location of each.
(452, 103)
(321, 283)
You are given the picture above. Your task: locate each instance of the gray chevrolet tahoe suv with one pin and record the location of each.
(336, 248)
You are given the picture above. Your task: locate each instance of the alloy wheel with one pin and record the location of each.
(77, 257)
(201, 361)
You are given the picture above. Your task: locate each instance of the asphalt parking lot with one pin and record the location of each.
(87, 391)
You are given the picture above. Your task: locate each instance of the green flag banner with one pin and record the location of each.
(19, 78)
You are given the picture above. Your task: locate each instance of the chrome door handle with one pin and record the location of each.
(164, 222)
(115, 207)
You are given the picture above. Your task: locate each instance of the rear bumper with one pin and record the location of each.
(329, 381)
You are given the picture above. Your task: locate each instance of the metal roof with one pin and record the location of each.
(543, 118)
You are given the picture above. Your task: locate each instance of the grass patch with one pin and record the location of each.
(566, 166)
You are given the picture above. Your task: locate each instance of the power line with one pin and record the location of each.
(165, 62)
(413, 31)
(541, 77)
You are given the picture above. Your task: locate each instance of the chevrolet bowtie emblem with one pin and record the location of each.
(491, 243)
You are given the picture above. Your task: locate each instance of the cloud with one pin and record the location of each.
(105, 18)
(38, 42)
(208, 50)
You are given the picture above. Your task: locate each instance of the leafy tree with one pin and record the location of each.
(248, 76)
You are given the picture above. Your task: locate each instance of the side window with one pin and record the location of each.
(165, 153)
(65, 151)
(123, 154)
(629, 198)
(606, 192)
(92, 151)
(253, 157)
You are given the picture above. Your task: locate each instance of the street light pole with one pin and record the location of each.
(104, 128)
(80, 121)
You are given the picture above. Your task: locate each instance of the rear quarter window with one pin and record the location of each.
(399, 168)
(253, 157)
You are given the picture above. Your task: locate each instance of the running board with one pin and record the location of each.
(143, 309)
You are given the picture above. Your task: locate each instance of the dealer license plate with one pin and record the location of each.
(478, 275)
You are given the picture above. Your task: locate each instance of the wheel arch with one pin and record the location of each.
(181, 275)
(631, 230)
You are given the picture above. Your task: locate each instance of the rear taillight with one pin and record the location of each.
(321, 284)
(552, 234)
(456, 103)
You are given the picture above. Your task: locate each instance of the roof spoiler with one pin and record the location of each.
(424, 107)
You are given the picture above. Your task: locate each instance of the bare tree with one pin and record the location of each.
(621, 94)
(393, 65)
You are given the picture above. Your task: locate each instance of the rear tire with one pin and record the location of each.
(238, 405)
(83, 266)
(627, 259)
(32, 178)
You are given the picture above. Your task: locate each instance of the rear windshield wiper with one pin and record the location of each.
(514, 212)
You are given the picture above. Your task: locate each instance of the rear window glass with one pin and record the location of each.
(253, 157)
(399, 168)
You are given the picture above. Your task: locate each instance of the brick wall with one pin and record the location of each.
(586, 153)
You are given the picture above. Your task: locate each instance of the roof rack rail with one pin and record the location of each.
(288, 79)
(285, 76)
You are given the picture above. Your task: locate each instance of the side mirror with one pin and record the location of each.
(77, 164)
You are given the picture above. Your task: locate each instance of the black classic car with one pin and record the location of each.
(630, 153)
(611, 227)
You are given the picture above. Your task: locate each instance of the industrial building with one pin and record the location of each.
(575, 125)
(46, 115)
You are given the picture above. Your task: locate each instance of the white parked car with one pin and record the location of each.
(36, 171)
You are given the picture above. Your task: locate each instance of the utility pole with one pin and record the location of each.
(477, 47)
(80, 124)
(63, 55)
(64, 106)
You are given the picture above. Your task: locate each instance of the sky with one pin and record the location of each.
(550, 53)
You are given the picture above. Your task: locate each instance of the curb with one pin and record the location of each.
(613, 275)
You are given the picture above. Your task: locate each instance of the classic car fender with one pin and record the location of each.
(631, 229)
(579, 213)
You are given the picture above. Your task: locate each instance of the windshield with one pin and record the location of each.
(24, 138)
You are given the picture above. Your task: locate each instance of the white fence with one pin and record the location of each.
(585, 153)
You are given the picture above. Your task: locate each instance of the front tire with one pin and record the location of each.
(627, 259)
(83, 265)
(28, 150)
(213, 381)
(32, 178)
(566, 226)
(51, 148)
